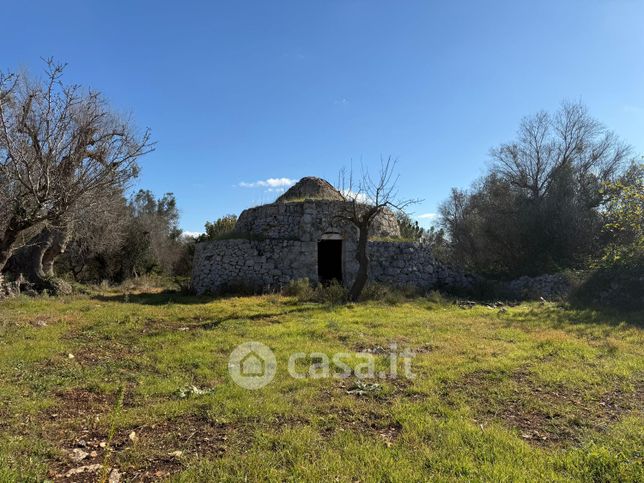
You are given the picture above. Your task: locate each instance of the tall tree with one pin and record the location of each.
(153, 237)
(539, 209)
(60, 146)
(547, 143)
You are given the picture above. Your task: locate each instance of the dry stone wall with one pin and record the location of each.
(549, 287)
(227, 265)
(307, 221)
(278, 243)
(261, 265)
(402, 264)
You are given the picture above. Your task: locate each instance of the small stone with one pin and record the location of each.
(77, 455)
(176, 454)
(83, 469)
(133, 437)
(115, 476)
(70, 356)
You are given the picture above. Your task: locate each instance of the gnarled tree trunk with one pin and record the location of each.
(6, 249)
(35, 261)
(58, 244)
(362, 256)
(27, 260)
(9, 238)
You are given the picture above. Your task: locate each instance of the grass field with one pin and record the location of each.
(140, 383)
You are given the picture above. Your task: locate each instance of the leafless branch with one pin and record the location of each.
(59, 147)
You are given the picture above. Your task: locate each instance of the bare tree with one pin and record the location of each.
(60, 146)
(100, 229)
(546, 144)
(95, 225)
(366, 198)
(539, 209)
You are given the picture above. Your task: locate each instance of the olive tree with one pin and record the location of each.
(539, 209)
(60, 147)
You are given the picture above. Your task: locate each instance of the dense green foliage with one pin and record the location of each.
(128, 240)
(617, 278)
(409, 229)
(542, 206)
(220, 228)
(624, 215)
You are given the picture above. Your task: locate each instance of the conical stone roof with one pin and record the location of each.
(311, 188)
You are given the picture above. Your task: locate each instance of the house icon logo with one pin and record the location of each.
(252, 365)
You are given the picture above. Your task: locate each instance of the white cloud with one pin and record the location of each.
(270, 183)
(359, 197)
(428, 216)
(193, 234)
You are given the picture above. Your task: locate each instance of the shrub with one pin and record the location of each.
(220, 229)
(435, 297)
(375, 291)
(333, 293)
(390, 295)
(619, 286)
(300, 288)
(144, 283)
(184, 284)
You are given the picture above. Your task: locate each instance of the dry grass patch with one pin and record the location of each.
(544, 414)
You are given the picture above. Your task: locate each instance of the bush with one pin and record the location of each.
(382, 293)
(220, 229)
(390, 295)
(184, 284)
(333, 293)
(144, 283)
(435, 297)
(300, 288)
(375, 291)
(619, 286)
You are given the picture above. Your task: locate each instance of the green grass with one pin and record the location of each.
(538, 392)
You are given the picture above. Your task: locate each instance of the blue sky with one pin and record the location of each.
(240, 92)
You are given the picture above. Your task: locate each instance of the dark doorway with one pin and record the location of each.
(329, 261)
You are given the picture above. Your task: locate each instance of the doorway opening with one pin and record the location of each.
(329, 261)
